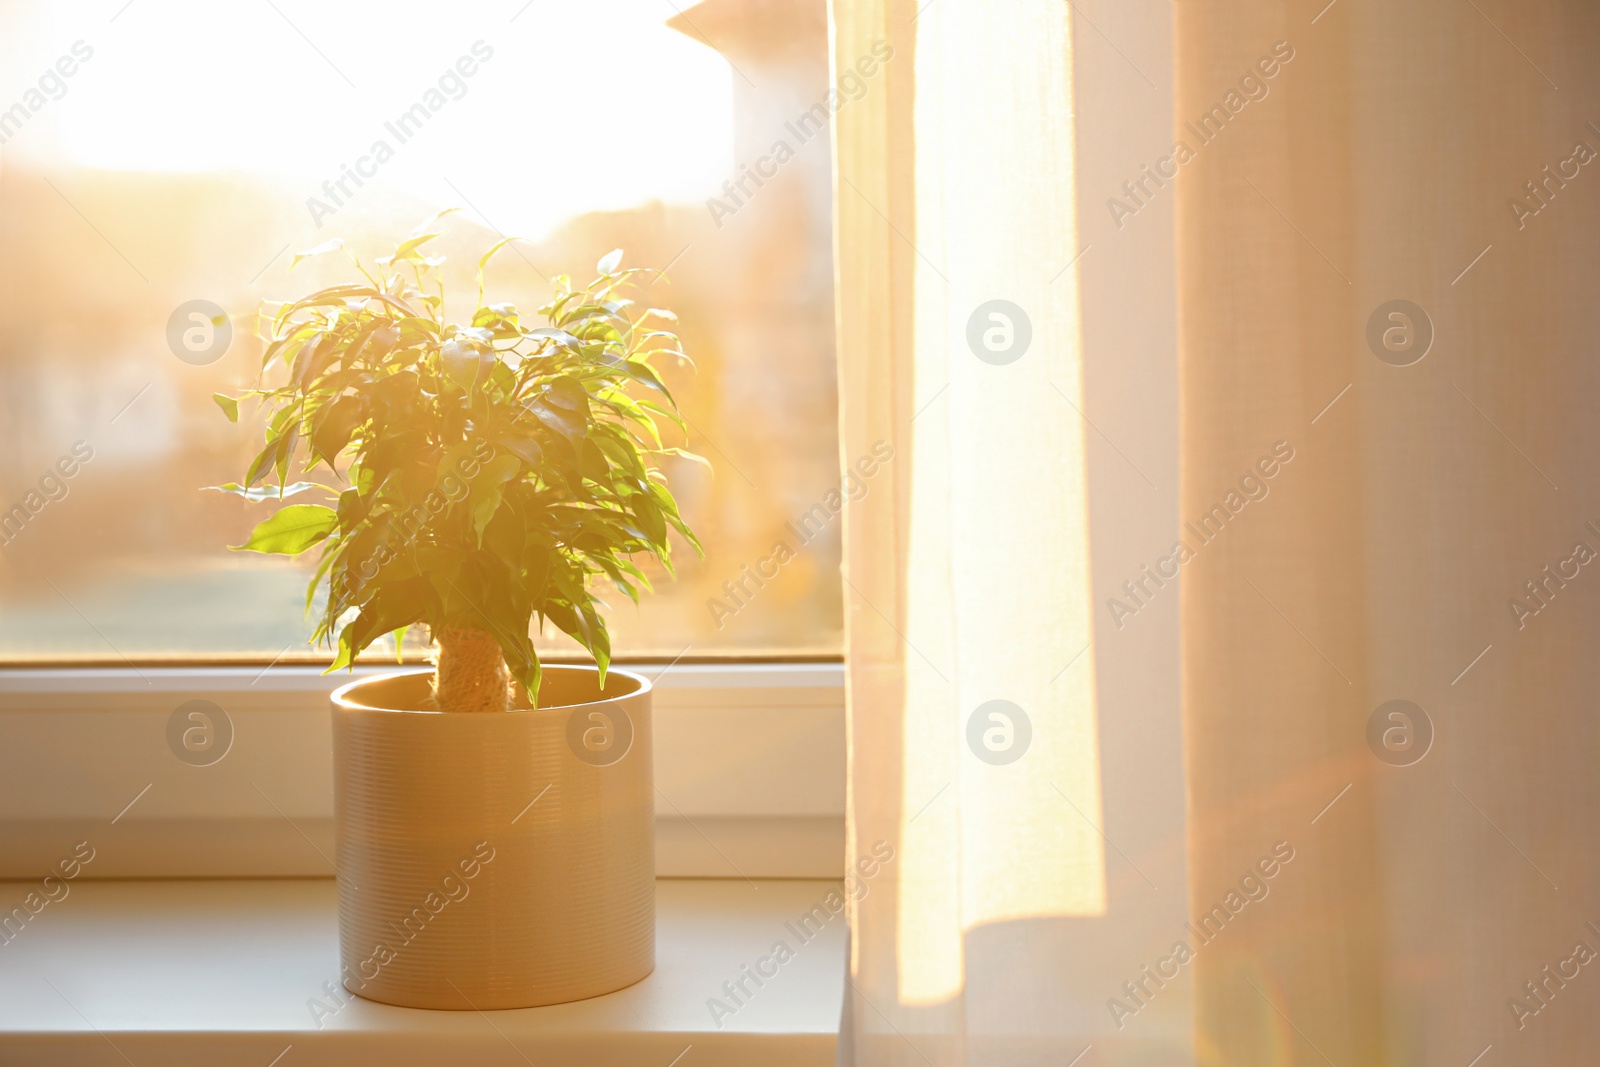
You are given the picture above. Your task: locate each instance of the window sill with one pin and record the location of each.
(202, 972)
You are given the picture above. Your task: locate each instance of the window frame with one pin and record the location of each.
(749, 769)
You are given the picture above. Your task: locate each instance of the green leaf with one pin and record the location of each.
(382, 342)
(592, 461)
(229, 406)
(291, 530)
(335, 422)
(657, 409)
(524, 447)
(393, 606)
(641, 372)
(290, 438)
(558, 420)
(488, 488)
(265, 460)
(568, 393)
(483, 260)
(330, 556)
(268, 492)
(692, 457)
(622, 453)
(397, 395)
(500, 319)
(609, 261)
(313, 357)
(506, 537)
(560, 337)
(463, 359)
(408, 248)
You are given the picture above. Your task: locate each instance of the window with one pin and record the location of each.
(155, 155)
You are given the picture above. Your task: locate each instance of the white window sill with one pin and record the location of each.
(209, 972)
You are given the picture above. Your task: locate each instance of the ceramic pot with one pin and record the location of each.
(494, 859)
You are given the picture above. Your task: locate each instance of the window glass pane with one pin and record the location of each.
(154, 155)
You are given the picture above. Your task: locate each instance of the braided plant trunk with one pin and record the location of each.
(470, 672)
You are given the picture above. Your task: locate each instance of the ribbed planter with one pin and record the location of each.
(494, 859)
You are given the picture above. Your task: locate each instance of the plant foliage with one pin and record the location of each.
(482, 474)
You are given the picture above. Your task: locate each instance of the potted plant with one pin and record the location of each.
(495, 817)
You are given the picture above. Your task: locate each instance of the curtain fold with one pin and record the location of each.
(1440, 409)
(966, 567)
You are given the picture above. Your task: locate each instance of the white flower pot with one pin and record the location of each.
(494, 859)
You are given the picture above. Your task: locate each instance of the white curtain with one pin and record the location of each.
(1386, 256)
(973, 737)
(1367, 274)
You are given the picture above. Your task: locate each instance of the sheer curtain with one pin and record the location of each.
(972, 731)
(1366, 274)
(1387, 265)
